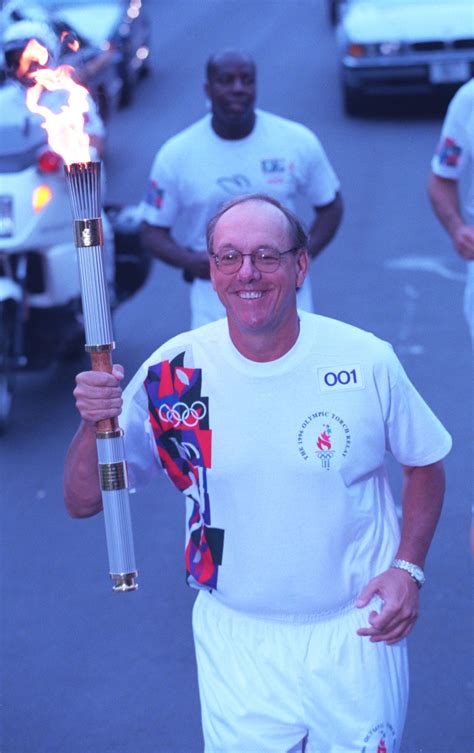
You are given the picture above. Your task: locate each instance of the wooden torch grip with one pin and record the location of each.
(103, 362)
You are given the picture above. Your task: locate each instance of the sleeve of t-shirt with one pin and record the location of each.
(414, 435)
(320, 182)
(140, 448)
(161, 204)
(451, 152)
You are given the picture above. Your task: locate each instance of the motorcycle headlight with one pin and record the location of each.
(42, 195)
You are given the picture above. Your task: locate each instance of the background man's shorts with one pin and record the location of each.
(267, 685)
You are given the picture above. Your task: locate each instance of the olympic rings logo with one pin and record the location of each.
(180, 413)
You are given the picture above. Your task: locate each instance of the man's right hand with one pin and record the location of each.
(98, 394)
(463, 238)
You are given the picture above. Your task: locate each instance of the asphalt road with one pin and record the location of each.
(88, 671)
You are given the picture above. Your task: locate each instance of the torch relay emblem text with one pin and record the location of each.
(324, 437)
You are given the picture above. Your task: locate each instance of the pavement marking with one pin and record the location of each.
(426, 264)
(407, 321)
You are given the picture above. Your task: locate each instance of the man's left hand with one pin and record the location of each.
(399, 613)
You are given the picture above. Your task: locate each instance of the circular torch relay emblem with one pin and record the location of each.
(380, 739)
(324, 438)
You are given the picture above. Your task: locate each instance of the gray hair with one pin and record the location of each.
(298, 236)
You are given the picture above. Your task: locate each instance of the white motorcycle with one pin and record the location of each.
(40, 301)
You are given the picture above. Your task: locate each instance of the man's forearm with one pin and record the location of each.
(161, 244)
(423, 493)
(325, 225)
(444, 199)
(82, 492)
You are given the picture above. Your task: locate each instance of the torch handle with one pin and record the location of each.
(103, 362)
(114, 488)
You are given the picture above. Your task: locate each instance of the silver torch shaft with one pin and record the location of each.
(83, 181)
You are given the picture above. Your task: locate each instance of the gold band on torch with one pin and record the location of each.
(83, 180)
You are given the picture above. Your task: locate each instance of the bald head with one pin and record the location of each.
(295, 230)
(230, 87)
(228, 57)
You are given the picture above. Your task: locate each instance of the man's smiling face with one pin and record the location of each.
(256, 302)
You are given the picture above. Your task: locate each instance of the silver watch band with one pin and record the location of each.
(414, 570)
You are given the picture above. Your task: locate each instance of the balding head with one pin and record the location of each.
(230, 87)
(228, 56)
(296, 233)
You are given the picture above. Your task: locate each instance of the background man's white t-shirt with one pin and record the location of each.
(196, 171)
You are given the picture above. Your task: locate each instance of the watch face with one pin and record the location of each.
(419, 575)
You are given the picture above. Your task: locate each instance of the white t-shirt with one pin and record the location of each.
(454, 159)
(289, 512)
(196, 171)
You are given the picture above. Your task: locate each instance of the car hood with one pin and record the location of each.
(95, 22)
(373, 22)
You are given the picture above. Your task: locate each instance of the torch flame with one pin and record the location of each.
(68, 39)
(65, 129)
(34, 52)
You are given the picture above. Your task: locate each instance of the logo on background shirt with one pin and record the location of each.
(325, 438)
(154, 195)
(273, 165)
(380, 739)
(235, 184)
(449, 152)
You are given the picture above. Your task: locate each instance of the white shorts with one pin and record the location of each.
(275, 687)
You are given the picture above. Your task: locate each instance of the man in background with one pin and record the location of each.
(234, 150)
(453, 202)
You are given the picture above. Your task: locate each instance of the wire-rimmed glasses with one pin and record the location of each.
(263, 259)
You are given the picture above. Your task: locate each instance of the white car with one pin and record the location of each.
(390, 47)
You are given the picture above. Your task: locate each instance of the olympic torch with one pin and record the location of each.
(67, 136)
(83, 180)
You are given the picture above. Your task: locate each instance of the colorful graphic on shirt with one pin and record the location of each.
(179, 418)
(324, 437)
(380, 739)
(154, 195)
(449, 152)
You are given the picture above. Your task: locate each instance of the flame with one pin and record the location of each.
(68, 39)
(65, 128)
(34, 52)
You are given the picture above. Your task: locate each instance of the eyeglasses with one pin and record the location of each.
(263, 259)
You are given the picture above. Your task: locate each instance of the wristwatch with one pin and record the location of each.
(416, 572)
